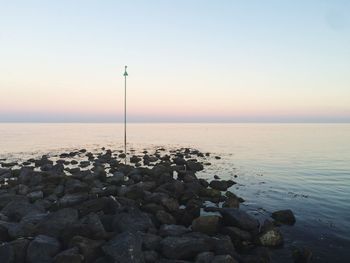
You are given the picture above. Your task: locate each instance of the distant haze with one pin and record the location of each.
(188, 61)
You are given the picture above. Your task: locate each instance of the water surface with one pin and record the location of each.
(304, 167)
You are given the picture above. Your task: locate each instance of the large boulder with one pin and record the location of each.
(7, 253)
(54, 223)
(221, 185)
(206, 224)
(125, 248)
(184, 247)
(173, 230)
(42, 249)
(89, 248)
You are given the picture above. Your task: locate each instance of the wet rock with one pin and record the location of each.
(194, 166)
(54, 223)
(221, 185)
(205, 257)
(238, 236)
(20, 248)
(184, 247)
(284, 216)
(42, 249)
(236, 217)
(173, 230)
(206, 224)
(302, 255)
(271, 238)
(125, 248)
(222, 245)
(70, 255)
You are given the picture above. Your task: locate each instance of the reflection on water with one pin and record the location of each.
(305, 167)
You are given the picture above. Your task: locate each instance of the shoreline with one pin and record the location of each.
(95, 209)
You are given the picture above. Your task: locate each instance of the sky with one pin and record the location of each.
(188, 61)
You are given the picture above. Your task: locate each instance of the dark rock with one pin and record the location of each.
(165, 218)
(15, 210)
(284, 217)
(194, 166)
(151, 241)
(135, 159)
(132, 221)
(206, 224)
(54, 223)
(223, 246)
(173, 230)
(36, 195)
(72, 199)
(205, 257)
(90, 249)
(237, 235)
(8, 197)
(184, 247)
(70, 255)
(221, 185)
(42, 249)
(302, 255)
(7, 253)
(150, 256)
(224, 259)
(236, 217)
(125, 248)
(107, 205)
(20, 248)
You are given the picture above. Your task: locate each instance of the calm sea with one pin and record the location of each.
(304, 167)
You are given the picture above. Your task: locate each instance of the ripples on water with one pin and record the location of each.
(305, 167)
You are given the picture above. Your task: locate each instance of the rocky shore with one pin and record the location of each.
(91, 207)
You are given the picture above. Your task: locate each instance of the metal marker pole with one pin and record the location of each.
(125, 75)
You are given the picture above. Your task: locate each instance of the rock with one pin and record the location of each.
(73, 186)
(20, 248)
(72, 199)
(224, 259)
(271, 238)
(194, 166)
(171, 204)
(70, 255)
(151, 241)
(4, 235)
(237, 235)
(118, 178)
(8, 197)
(16, 210)
(173, 230)
(135, 159)
(54, 223)
(42, 249)
(132, 221)
(90, 249)
(125, 248)
(237, 217)
(94, 225)
(165, 218)
(184, 247)
(284, 217)
(23, 189)
(206, 224)
(7, 253)
(223, 245)
(221, 185)
(302, 255)
(107, 205)
(36, 195)
(205, 257)
(150, 256)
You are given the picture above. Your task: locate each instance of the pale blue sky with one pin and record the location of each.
(188, 60)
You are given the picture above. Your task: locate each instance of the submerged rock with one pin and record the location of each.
(284, 217)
